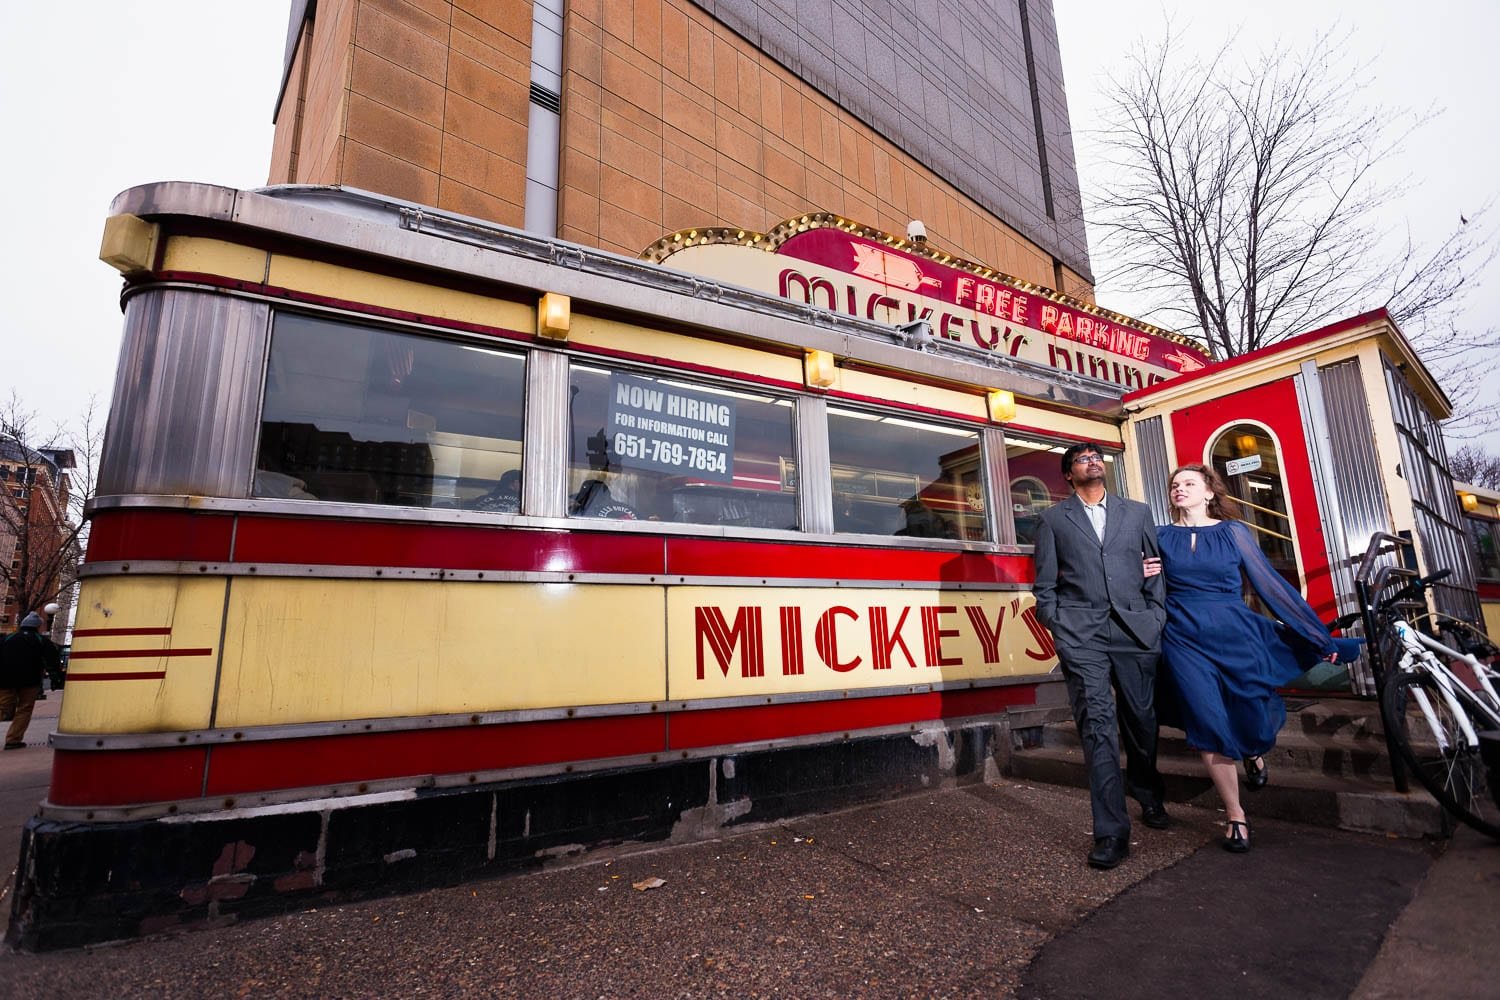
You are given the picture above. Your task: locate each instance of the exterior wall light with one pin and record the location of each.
(553, 315)
(129, 244)
(1002, 404)
(1469, 501)
(818, 369)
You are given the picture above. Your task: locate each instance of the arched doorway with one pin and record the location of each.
(1247, 457)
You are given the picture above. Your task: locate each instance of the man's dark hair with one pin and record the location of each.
(1081, 448)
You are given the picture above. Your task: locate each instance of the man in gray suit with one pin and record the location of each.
(1105, 616)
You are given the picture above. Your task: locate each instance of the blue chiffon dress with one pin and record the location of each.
(1222, 662)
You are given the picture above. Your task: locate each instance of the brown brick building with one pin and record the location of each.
(615, 122)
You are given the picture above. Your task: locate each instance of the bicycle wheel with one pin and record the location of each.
(1436, 751)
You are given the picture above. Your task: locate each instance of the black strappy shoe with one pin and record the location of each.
(1256, 775)
(1237, 840)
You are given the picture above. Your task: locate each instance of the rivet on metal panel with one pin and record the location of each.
(571, 712)
(229, 803)
(171, 809)
(379, 572)
(474, 719)
(203, 569)
(98, 743)
(125, 568)
(473, 778)
(363, 787)
(239, 736)
(182, 739)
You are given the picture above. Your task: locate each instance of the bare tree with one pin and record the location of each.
(46, 479)
(1244, 201)
(1473, 465)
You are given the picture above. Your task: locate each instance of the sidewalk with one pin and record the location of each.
(972, 891)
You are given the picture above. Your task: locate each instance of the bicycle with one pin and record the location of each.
(1435, 700)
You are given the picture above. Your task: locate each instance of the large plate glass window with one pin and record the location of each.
(910, 478)
(362, 415)
(654, 448)
(1037, 481)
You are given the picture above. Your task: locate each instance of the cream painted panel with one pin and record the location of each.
(310, 650)
(190, 608)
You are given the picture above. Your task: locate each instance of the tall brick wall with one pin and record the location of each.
(670, 120)
(425, 100)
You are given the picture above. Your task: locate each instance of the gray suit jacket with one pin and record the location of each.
(1080, 581)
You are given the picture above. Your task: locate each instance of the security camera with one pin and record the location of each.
(916, 232)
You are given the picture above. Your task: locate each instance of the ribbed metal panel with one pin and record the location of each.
(186, 407)
(545, 446)
(1151, 456)
(1347, 480)
(1424, 465)
(815, 501)
(997, 503)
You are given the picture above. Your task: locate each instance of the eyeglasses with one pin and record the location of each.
(1089, 460)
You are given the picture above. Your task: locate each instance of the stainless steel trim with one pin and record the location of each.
(996, 481)
(545, 446)
(358, 727)
(1151, 459)
(428, 237)
(163, 567)
(186, 396)
(814, 506)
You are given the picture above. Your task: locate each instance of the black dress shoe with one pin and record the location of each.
(1237, 840)
(1155, 816)
(1256, 774)
(1109, 851)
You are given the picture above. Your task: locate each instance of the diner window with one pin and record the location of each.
(652, 448)
(908, 478)
(1245, 455)
(1484, 545)
(362, 415)
(1037, 481)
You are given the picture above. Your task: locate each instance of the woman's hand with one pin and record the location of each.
(1150, 566)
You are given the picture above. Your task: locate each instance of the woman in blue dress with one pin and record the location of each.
(1222, 661)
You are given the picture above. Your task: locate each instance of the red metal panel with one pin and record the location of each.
(332, 760)
(1275, 405)
(117, 535)
(1489, 591)
(125, 777)
(322, 541)
(1282, 346)
(712, 557)
(758, 723)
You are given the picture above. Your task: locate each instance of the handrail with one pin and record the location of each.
(1377, 546)
(1264, 510)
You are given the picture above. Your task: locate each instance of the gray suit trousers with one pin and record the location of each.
(1111, 681)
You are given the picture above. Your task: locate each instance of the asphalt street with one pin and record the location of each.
(975, 891)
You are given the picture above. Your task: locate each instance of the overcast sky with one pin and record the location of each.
(100, 95)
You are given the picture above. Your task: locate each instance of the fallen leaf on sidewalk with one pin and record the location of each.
(649, 883)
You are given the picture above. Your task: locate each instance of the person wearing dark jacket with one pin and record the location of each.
(24, 657)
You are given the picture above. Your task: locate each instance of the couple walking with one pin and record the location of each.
(1120, 594)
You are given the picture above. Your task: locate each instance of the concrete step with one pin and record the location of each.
(1329, 768)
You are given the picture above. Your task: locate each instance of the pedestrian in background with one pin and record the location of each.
(1222, 662)
(24, 658)
(1105, 615)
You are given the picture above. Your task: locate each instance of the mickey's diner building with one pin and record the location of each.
(625, 419)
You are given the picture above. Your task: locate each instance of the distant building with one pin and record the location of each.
(613, 124)
(35, 533)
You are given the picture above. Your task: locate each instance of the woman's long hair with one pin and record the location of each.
(1222, 507)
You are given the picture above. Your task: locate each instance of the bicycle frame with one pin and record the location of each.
(1421, 649)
